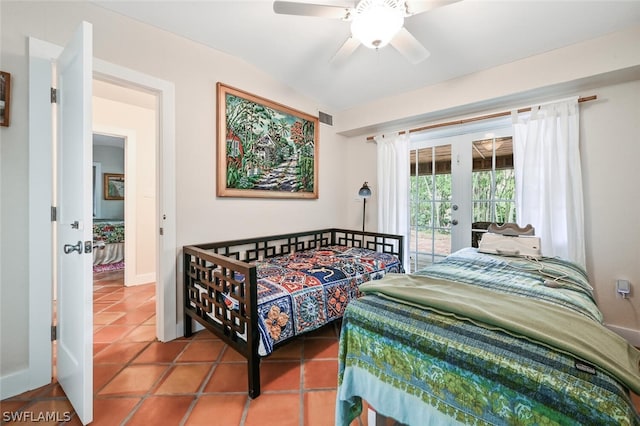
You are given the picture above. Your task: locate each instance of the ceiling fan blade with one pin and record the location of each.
(413, 7)
(306, 9)
(409, 46)
(345, 51)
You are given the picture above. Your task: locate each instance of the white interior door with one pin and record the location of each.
(74, 225)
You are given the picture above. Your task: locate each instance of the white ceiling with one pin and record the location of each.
(463, 38)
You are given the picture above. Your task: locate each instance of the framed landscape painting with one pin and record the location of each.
(113, 186)
(264, 149)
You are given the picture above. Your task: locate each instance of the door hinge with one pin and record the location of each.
(54, 95)
(54, 333)
(54, 214)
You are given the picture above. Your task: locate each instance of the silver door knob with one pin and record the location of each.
(70, 248)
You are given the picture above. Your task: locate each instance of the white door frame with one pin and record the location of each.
(41, 56)
(167, 324)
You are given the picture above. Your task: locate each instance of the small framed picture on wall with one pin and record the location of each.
(5, 98)
(113, 186)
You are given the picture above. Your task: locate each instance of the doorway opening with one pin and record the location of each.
(108, 203)
(126, 143)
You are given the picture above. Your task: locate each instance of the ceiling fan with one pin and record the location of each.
(374, 23)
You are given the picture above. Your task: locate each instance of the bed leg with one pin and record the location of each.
(188, 326)
(253, 369)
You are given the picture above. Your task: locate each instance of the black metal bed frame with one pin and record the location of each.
(215, 273)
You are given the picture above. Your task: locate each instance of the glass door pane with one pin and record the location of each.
(430, 205)
(493, 184)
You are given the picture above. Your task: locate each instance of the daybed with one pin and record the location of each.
(485, 339)
(257, 293)
(108, 240)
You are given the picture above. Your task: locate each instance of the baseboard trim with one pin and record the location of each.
(632, 336)
(142, 279)
(16, 383)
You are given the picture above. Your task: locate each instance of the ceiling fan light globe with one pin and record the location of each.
(377, 24)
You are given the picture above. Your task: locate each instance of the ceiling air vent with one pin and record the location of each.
(325, 118)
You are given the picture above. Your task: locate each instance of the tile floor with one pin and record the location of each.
(139, 381)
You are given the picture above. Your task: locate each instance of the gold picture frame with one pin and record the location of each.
(264, 149)
(114, 186)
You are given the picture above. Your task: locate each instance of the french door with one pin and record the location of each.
(453, 181)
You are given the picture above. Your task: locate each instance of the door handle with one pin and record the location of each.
(70, 248)
(454, 222)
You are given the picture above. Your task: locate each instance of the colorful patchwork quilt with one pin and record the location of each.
(108, 232)
(419, 358)
(305, 290)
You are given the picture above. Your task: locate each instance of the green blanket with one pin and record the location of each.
(540, 322)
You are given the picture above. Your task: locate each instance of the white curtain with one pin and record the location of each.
(548, 177)
(393, 186)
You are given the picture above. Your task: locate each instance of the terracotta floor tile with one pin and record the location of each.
(161, 352)
(228, 378)
(54, 390)
(161, 410)
(97, 306)
(142, 333)
(106, 317)
(320, 348)
(112, 411)
(116, 307)
(97, 347)
(38, 412)
(319, 408)
(279, 375)
(150, 321)
(119, 352)
(135, 317)
(204, 334)
(116, 295)
(134, 380)
(271, 409)
(10, 407)
(231, 355)
(320, 374)
(183, 379)
(111, 333)
(292, 350)
(228, 410)
(149, 306)
(202, 351)
(103, 373)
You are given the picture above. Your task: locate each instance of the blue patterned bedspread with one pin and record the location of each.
(420, 367)
(305, 290)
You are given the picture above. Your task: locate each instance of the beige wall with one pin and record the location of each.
(344, 163)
